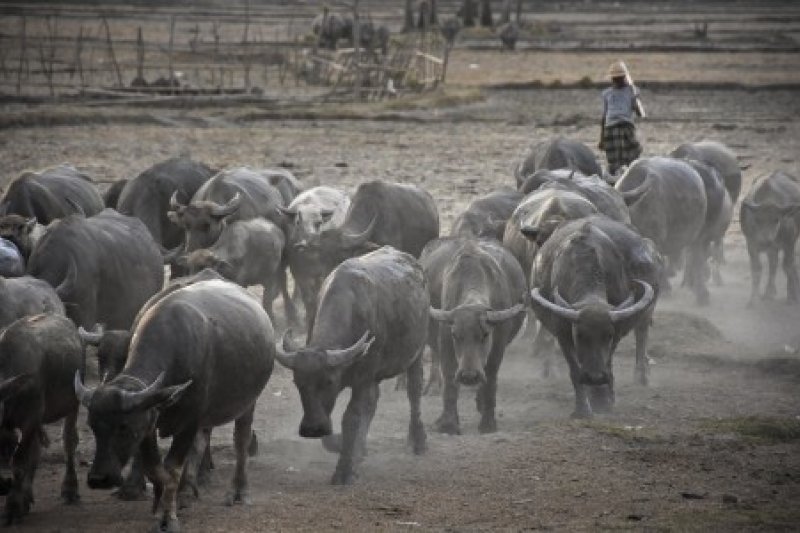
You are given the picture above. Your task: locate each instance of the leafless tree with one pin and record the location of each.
(408, 18)
(486, 13)
(468, 12)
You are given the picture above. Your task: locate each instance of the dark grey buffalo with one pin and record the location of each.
(719, 213)
(381, 213)
(478, 295)
(667, 202)
(508, 34)
(605, 198)
(22, 231)
(770, 220)
(111, 196)
(556, 153)
(371, 325)
(51, 194)
(12, 264)
(329, 28)
(200, 358)
(39, 355)
(537, 217)
(103, 267)
(248, 252)
(486, 216)
(594, 281)
(717, 156)
(147, 196)
(240, 193)
(24, 296)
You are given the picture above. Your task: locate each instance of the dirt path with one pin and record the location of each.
(680, 454)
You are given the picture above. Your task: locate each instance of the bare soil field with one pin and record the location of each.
(712, 444)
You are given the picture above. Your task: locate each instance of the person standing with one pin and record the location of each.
(618, 132)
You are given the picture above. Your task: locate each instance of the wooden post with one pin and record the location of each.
(245, 47)
(139, 56)
(111, 53)
(76, 61)
(357, 52)
(217, 60)
(171, 78)
(22, 58)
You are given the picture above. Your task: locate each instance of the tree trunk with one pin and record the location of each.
(468, 12)
(486, 13)
(434, 13)
(408, 17)
(519, 11)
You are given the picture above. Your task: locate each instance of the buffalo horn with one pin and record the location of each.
(174, 203)
(132, 400)
(285, 351)
(567, 313)
(91, 337)
(633, 195)
(229, 208)
(622, 314)
(353, 240)
(67, 285)
(287, 211)
(348, 355)
(83, 393)
(440, 315)
(495, 317)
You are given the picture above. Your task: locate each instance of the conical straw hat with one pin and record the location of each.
(617, 70)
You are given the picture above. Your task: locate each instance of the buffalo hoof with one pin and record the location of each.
(18, 504)
(641, 377)
(343, 478)
(487, 425)
(332, 443)
(168, 524)
(448, 426)
(252, 448)
(401, 383)
(186, 498)
(433, 387)
(70, 496)
(581, 414)
(238, 498)
(418, 440)
(131, 493)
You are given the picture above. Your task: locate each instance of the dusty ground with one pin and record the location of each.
(713, 443)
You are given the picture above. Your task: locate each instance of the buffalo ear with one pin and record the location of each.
(165, 397)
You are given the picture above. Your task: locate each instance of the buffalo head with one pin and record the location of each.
(121, 414)
(112, 348)
(471, 328)
(763, 220)
(595, 328)
(202, 220)
(20, 231)
(318, 377)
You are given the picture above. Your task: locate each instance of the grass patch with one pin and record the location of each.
(436, 99)
(762, 429)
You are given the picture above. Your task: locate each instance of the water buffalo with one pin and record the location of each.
(329, 28)
(199, 358)
(535, 219)
(104, 267)
(719, 212)
(478, 294)
(605, 198)
(556, 153)
(594, 281)
(508, 34)
(39, 355)
(51, 194)
(381, 213)
(12, 264)
(486, 216)
(717, 156)
(147, 196)
(111, 196)
(371, 325)
(24, 296)
(314, 211)
(23, 232)
(770, 220)
(239, 193)
(667, 203)
(248, 252)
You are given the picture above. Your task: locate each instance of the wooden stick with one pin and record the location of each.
(171, 79)
(139, 55)
(111, 52)
(21, 55)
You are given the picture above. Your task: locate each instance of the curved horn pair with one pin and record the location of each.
(353, 240)
(625, 310)
(286, 353)
(91, 337)
(229, 208)
(632, 196)
(130, 400)
(492, 316)
(174, 203)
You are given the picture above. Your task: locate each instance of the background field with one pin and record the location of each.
(713, 443)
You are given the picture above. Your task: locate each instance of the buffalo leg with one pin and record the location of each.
(416, 430)
(755, 274)
(641, 373)
(487, 395)
(717, 259)
(434, 385)
(268, 298)
(351, 421)
(772, 268)
(69, 487)
(166, 476)
(242, 433)
(543, 347)
(133, 486)
(370, 405)
(191, 469)
(790, 269)
(448, 421)
(695, 272)
(582, 406)
(288, 304)
(23, 468)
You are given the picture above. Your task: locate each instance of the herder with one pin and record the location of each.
(618, 133)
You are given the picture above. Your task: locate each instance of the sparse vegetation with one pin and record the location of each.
(762, 429)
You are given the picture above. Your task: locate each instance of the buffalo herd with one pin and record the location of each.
(584, 255)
